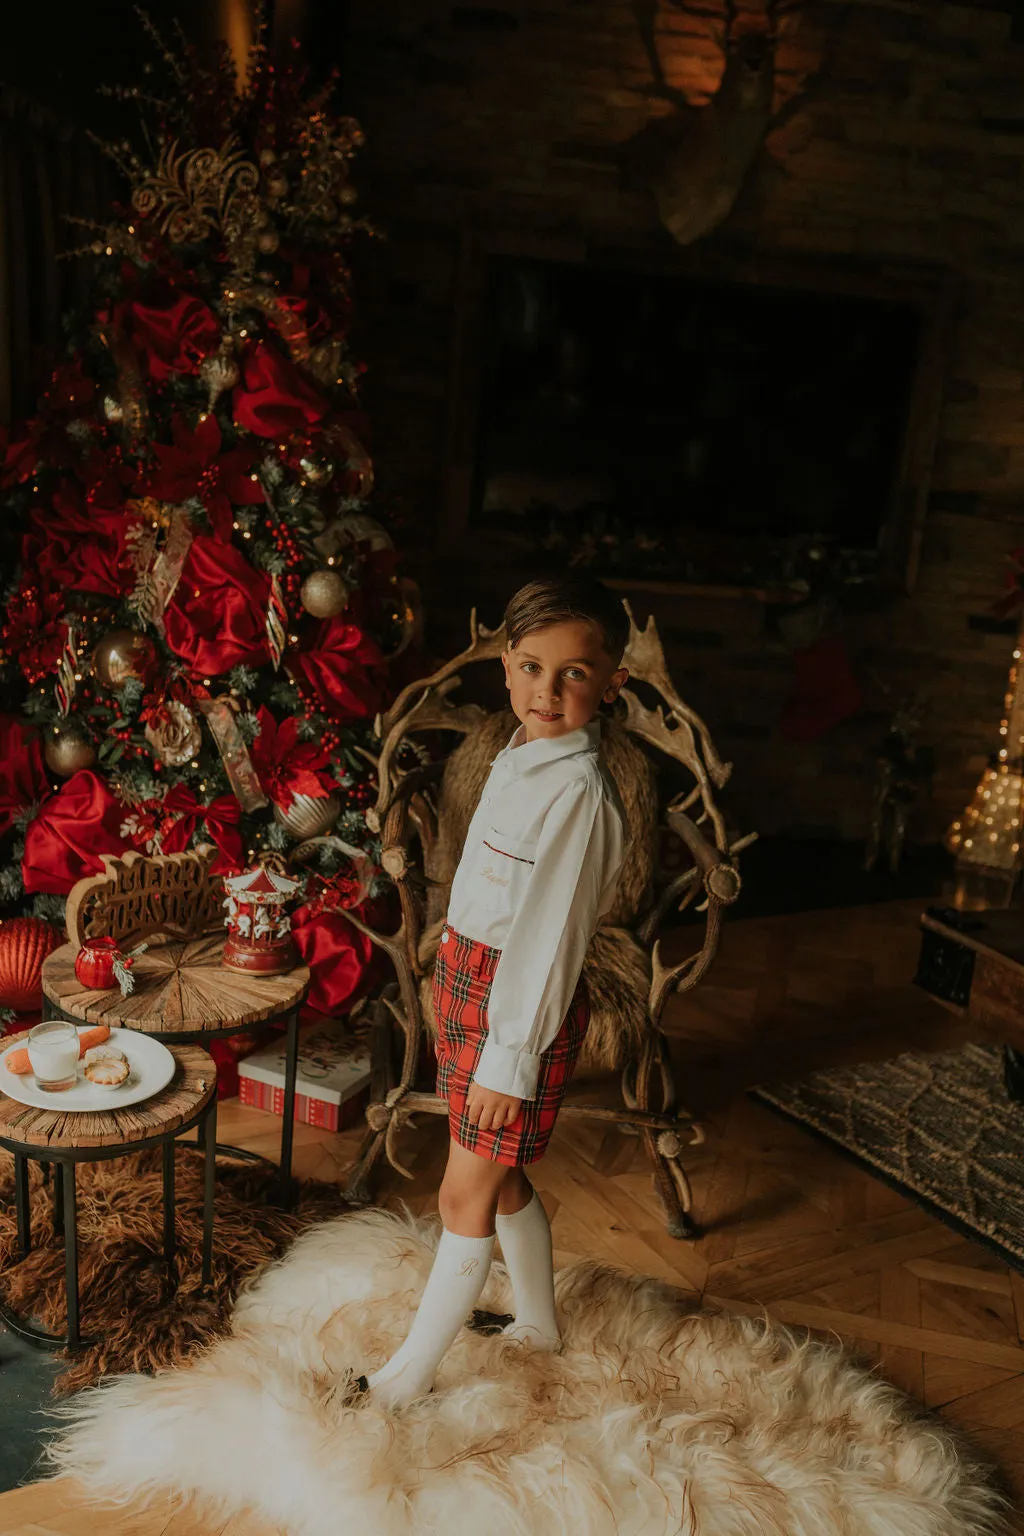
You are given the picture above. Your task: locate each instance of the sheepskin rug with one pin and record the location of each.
(654, 1420)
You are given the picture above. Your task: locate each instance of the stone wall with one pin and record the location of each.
(908, 146)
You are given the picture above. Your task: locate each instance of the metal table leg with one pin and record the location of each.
(169, 1233)
(67, 1173)
(58, 1205)
(22, 1205)
(288, 1120)
(209, 1137)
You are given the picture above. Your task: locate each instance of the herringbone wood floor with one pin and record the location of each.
(790, 1225)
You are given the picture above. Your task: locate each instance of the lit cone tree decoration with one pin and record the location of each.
(196, 465)
(990, 833)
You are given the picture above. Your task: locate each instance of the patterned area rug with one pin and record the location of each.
(939, 1128)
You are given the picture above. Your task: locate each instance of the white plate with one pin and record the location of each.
(152, 1067)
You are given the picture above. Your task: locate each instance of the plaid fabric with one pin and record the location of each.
(462, 985)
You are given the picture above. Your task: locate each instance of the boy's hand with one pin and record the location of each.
(488, 1110)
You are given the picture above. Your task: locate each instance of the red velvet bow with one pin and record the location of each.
(23, 778)
(338, 668)
(174, 339)
(287, 766)
(273, 399)
(64, 842)
(216, 619)
(195, 466)
(182, 813)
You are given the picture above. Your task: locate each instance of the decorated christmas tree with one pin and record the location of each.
(195, 637)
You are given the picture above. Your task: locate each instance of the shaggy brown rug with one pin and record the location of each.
(140, 1323)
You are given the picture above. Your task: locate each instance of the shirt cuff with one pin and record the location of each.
(504, 1070)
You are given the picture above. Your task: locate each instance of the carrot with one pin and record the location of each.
(18, 1061)
(92, 1037)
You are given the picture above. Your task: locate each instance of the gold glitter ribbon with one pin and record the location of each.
(220, 715)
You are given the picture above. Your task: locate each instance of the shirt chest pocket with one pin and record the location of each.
(503, 868)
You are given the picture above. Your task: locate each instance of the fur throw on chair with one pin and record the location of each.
(617, 970)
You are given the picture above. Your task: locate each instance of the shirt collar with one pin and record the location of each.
(533, 754)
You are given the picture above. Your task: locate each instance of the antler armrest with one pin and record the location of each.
(721, 879)
(404, 789)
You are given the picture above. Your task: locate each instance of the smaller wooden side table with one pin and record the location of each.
(65, 1139)
(973, 964)
(183, 992)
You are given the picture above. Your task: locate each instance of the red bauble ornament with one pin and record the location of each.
(25, 943)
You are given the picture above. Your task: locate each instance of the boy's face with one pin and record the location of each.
(557, 677)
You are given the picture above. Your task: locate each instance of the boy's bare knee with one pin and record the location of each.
(460, 1206)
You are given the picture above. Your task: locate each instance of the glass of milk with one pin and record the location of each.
(53, 1055)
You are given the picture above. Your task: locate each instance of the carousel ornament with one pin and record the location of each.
(67, 752)
(122, 656)
(259, 930)
(324, 593)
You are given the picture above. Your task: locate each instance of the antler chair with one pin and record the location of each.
(431, 804)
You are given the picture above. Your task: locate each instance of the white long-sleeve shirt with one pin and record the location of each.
(537, 873)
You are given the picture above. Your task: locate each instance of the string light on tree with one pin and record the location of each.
(989, 833)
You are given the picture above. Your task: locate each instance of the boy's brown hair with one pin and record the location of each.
(561, 599)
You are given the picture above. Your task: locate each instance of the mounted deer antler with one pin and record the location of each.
(696, 160)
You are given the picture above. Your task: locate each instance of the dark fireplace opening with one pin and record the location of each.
(651, 424)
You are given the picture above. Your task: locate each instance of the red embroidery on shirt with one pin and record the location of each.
(508, 855)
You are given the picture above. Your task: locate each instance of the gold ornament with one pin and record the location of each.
(121, 656)
(197, 192)
(267, 156)
(176, 737)
(309, 815)
(67, 752)
(324, 593)
(268, 241)
(112, 409)
(218, 372)
(277, 185)
(317, 468)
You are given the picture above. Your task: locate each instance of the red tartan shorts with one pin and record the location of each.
(462, 984)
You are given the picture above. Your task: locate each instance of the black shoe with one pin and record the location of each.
(489, 1322)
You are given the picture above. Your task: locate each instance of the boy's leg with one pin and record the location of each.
(467, 1202)
(525, 1238)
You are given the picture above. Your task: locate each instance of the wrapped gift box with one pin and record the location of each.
(332, 1088)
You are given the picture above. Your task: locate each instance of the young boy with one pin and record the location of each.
(538, 871)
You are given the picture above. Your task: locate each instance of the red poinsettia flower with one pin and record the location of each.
(32, 632)
(286, 765)
(195, 466)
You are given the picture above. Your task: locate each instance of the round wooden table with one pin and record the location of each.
(66, 1138)
(184, 992)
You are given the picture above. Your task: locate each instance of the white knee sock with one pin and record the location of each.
(452, 1290)
(525, 1239)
